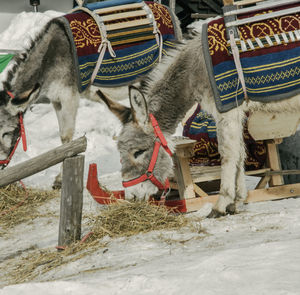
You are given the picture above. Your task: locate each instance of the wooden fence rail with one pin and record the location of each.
(72, 184)
(42, 162)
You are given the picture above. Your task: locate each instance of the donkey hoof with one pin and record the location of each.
(215, 214)
(231, 209)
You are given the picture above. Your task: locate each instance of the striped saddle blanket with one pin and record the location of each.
(269, 55)
(138, 33)
(201, 126)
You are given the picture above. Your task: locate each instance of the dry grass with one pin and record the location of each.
(121, 219)
(18, 205)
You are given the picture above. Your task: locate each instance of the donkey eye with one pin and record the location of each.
(138, 153)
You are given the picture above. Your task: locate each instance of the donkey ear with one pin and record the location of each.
(139, 106)
(120, 111)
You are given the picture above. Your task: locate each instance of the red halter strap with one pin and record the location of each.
(160, 141)
(22, 135)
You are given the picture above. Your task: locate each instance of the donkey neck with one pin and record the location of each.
(177, 83)
(32, 67)
(171, 95)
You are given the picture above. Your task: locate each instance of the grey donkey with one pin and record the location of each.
(46, 69)
(171, 90)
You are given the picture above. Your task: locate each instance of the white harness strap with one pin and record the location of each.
(237, 61)
(156, 31)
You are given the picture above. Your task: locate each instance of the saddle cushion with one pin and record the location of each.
(136, 48)
(271, 73)
(201, 126)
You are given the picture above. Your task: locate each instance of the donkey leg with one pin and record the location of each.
(241, 189)
(66, 111)
(229, 131)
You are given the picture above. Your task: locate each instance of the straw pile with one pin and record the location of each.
(19, 204)
(120, 219)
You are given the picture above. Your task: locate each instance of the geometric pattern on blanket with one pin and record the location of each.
(271, 73)
(201, 127)
(133, 59)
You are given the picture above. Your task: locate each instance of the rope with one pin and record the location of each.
(156, 31)
(105, 43)
(236, 57)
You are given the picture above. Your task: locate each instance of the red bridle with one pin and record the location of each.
(22, 135)
(148, 175)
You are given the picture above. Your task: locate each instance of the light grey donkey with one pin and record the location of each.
(171, 90)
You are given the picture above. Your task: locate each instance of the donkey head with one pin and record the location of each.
(12, 104)
(136, 144)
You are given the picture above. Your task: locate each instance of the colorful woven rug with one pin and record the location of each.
(271, 73)
(202, 127)
(135, 55)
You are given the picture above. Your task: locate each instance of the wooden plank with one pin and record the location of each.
(197, 203)
(123, 15)
(185, 152)
(181, 141)
(183, 177)
(274, 163)
(203, 15)
(131, 40)
(172, 5)
(118, 8)
(42, 162)
(262, 17)
(263, 182)
(246, 2)
(131, 32)
(71, 201)
(199, 191)
(209, 173)
(274, 193)
(278, 125)
(129, 24)
(258, 195)
(280, 172)
(267, 4)
(227, 2)
(209, 176)
(257, 172)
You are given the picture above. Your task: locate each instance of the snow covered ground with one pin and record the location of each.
(254, 252)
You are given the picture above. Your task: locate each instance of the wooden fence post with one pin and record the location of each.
(71, 201)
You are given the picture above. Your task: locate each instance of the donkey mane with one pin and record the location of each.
(159, 71)
(22, 57)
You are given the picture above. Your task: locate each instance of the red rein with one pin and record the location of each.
(21, 136)
(148, 175)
